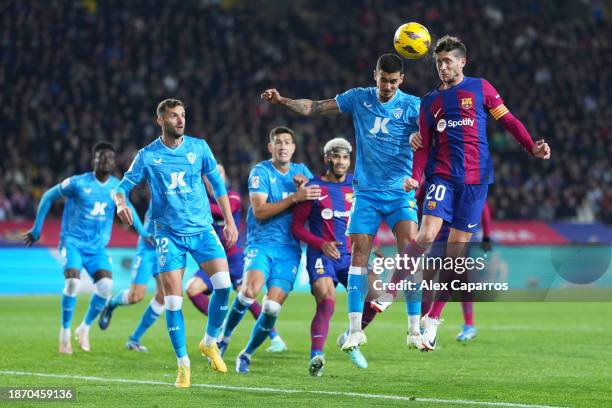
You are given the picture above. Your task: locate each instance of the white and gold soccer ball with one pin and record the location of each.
(412, 40)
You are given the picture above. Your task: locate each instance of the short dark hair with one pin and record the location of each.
(390, 63)
(449, 43)
(168, 103)
(281, 129)
(103, 146)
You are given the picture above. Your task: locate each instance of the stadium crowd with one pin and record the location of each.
(73, 73)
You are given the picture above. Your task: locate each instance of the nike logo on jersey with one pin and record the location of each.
(472, 225)
(157, 161)
(437, 112)
(273, 179)
(87, 190)
(323, 197)
(367, 105)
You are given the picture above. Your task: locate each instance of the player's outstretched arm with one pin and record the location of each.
(54, 193)
(264, 210)
(305, 107)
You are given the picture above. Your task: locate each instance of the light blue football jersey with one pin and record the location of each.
(179, 200)
(89, 211)
(382, 131)
(266, 179)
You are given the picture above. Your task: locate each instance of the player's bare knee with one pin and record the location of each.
(194, 286)
(72, 274)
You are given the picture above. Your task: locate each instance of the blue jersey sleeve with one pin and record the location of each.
(412, 114)
(68, 187)
(346, 100)
(209, 164)
(306, 172)
(215, 180)
(133, 176)
(259, 181)
(54, 193)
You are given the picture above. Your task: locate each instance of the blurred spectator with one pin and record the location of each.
(73, 73)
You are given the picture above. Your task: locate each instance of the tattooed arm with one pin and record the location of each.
(304, 107)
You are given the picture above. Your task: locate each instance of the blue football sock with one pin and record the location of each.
(68, 303)
(217, 310)
(357, 289)
(117, 300)
(413, 302)
(273, 334)
(95, 307)
(148, 318)
(260, 332)
(234, 317)
(176, 330)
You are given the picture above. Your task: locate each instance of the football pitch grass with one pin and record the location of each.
(526, 354)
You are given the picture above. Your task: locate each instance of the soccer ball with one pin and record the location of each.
(412, 40)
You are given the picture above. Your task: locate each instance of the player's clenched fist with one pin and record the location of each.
(410, 184)
(541, 150)
(271, 95)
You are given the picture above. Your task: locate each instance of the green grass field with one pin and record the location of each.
(557, 354)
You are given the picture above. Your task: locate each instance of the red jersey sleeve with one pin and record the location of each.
(495, 104)
(492, 101)
(301, 212)
(419, 160)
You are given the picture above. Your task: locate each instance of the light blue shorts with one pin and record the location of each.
(172, 249)
(144, 264)
(279, 264)
(92, 259)
(371, 207)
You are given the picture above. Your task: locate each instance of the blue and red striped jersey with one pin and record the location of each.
(327, 217)
(454, 123)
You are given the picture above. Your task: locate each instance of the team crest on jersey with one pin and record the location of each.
(441, 125)
(431, 205)
(466, 103)
(397, 113)
(348, 197)
(191, 157)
